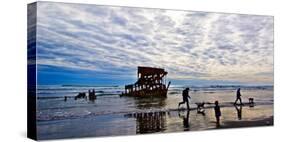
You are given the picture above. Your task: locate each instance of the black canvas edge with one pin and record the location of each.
(31, 70)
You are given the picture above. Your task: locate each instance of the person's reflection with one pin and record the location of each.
(185, 120)
(239, 111)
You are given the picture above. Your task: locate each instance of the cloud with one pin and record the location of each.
(190, 45)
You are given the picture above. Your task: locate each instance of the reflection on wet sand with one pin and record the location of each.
(239, 111)
(60, 116)
(150, 122)
(157, 121)
(185, 120)
(145, 103)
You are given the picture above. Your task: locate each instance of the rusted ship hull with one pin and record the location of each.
(149, 83)
(147, 93)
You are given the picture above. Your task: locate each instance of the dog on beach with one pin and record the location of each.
(80, 95)
(200, 108)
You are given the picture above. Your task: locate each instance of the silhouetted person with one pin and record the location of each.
(185, 96)
(92, 94)
(89, 92)
(65, 98)
(217, 112)
(238, 97)
(239, 112)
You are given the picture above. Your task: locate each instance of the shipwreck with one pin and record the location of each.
(151, 82)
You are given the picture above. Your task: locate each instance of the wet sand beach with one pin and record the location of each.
(254, 123)
(112, 115)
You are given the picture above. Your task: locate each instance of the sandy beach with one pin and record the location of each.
(254, 123)
(112, 115)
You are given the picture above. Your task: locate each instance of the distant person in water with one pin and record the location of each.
(238, 97)
(185, 96)
(92, 94)
(65, 98)
(217, 113)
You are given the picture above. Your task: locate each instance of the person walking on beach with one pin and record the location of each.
(238, 97)
(217, 113)
(185, 96)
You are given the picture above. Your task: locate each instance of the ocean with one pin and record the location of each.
(111, 114)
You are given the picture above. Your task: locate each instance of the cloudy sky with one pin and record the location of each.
(89, 44)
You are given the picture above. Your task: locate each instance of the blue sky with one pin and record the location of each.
(89, 44)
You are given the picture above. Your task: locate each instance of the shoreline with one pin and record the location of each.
(115, 116)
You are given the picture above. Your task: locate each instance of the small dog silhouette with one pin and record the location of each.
(200, 107)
